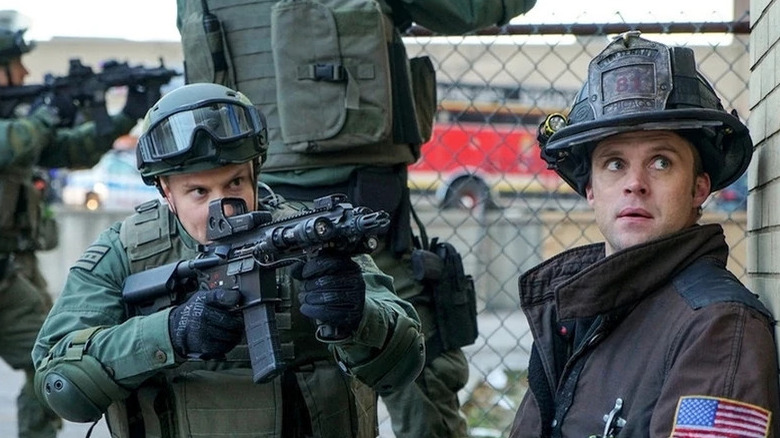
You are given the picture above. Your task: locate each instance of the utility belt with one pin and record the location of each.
(207, 402)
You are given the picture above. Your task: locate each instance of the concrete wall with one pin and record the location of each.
(764, 173)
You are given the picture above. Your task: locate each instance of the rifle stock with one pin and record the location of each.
(246, 249)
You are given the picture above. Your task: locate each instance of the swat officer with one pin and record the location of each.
(43, 138)
(184, 371)
(647, 334)
(347, 112)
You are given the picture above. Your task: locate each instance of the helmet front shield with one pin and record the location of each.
(630, 76)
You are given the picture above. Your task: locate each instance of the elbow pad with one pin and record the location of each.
(78, 391)
(76, 386)
(399, 362)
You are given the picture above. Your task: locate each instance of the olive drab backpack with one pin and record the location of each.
(331, 76)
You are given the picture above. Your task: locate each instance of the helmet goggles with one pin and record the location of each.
(171, 138)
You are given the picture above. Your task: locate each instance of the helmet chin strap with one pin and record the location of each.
(255, 180)
(169, 200)
(172, 206)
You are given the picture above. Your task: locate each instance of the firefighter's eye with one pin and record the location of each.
(661, 163)
(614, 164)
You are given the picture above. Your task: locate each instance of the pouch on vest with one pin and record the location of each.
(10, 189)
(340, 406)
(208, 403)
(333, 73)
(48, 231)
(439, 266)
(38, 224)
(425, 100)
(207, 58)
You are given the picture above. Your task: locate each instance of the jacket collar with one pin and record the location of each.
(585, 283)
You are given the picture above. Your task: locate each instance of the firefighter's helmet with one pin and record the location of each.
(636, 84)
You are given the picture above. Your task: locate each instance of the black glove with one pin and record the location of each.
(139, 100)
(334, 294)
(204, 327)
(62, 106)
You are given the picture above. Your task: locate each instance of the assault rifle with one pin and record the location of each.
(84, 86)
(247, 248)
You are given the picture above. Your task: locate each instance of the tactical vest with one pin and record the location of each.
(218, 398)
(332, 77)
(26, 223)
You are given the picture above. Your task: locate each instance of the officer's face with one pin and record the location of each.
(189, 194)
(643, 187)
(14, 75)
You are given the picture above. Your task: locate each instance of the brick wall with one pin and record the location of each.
(763, 227)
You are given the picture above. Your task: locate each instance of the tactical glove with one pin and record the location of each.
(139, 100)
(204, 326)
(62, 106)
(334, 294)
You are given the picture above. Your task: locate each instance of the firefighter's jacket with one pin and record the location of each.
(645, 340)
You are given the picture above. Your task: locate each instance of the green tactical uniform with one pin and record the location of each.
(26, 226)
(430, 407)
(215, 398)
(347, 114)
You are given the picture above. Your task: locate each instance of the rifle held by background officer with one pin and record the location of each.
(85, 87)
(246, 249)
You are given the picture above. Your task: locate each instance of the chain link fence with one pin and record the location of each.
(481, 185)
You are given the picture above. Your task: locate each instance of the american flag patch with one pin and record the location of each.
(700, 417)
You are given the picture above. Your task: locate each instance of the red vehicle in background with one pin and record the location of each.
(473, 163)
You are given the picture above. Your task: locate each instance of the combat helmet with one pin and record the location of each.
(199, 127)
(13, 25)
(636, 84)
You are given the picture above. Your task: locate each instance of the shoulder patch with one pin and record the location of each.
(91, 257)
(704, 283)
(703, 416)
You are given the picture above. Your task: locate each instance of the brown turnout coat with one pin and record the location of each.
(647, 325)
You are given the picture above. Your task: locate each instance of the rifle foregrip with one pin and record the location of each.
(262, 338)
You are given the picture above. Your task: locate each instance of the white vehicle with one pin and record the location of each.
(114, 183)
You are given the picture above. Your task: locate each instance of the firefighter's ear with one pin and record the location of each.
(589, 194)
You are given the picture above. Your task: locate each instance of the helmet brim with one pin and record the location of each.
(568, 150)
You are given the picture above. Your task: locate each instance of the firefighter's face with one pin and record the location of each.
(189, 194)
(644, 186)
